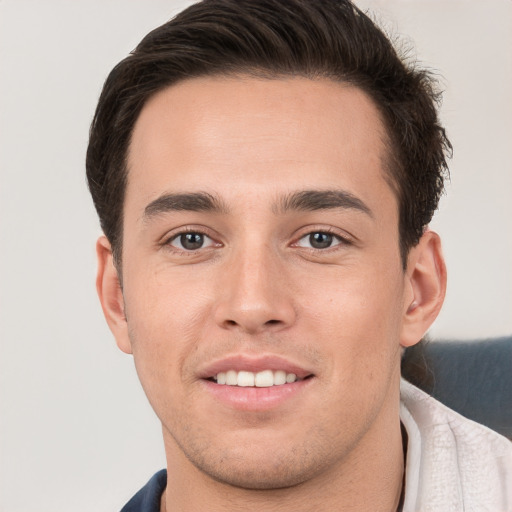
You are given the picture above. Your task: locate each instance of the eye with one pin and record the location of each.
(319, 240)
(191, 241)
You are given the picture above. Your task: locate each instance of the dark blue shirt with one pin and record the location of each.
(148, 498)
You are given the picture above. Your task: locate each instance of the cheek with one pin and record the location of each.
(358, 314)
(166, 321)
(165, 303)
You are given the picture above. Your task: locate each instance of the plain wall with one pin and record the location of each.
(76, 432)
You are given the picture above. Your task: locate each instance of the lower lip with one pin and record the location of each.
(256, 399)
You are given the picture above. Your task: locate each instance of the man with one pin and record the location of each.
(264, 173)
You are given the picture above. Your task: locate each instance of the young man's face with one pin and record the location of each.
(260, 235)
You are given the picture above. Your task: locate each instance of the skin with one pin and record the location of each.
(258, 287)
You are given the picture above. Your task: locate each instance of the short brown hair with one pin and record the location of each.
(273, 38)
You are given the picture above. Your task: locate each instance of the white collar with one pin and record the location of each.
(453, 464)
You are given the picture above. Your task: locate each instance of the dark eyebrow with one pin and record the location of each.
(310, 200)
(188, 201)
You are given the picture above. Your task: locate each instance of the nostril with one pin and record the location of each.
(252, 319)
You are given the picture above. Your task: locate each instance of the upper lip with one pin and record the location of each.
(252, 363)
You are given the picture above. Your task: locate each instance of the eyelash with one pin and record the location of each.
(196, 231)
(342, 240)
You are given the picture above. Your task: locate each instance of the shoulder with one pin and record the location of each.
(147, 499)
(453, 463)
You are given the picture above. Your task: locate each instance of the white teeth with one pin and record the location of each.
(279, 377)
(263, 379)
(231, 378)
(291, 377)
(245, 379)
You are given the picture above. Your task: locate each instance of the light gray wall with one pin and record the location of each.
(75, 430)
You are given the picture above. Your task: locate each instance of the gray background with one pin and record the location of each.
(75, 430)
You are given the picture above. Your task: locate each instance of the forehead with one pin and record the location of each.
(243, 133)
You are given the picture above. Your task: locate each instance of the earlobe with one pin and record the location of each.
(111, 295)
(426, 275)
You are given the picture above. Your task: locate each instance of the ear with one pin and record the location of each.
(110, 293)
(426, 280)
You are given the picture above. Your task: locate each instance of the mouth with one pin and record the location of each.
(262, 379)
(255, 383)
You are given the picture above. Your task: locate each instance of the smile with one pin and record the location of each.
(262, 379)
(255, 383)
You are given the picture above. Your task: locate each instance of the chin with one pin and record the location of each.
(262, 465)
(257, 476)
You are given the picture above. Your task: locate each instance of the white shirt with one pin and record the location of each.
(453, 464)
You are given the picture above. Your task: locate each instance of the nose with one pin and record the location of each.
(254, 295)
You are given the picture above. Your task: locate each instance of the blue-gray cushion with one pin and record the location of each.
(472, 377)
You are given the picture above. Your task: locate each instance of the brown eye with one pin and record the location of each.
(191, 241)
(320, 240)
